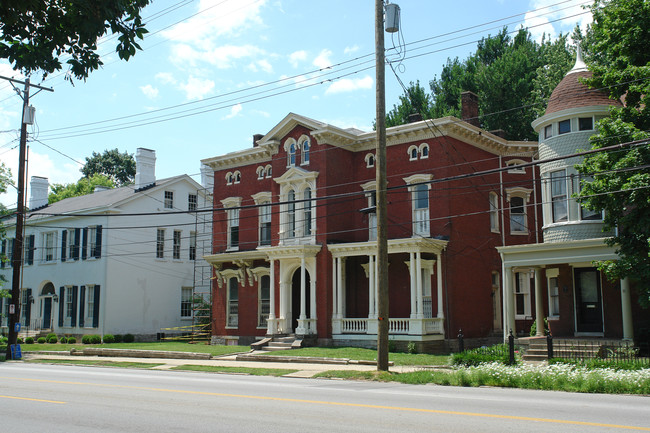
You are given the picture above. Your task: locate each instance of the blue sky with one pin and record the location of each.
(215, 72)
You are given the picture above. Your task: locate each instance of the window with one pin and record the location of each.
(421, 210)
(169, 200)
(192, 201)
(291, 214)
(494, 212)
(370, 160)
(413, 153)
(291, 155)
(265, 224)
(517, 214)
(559, 204)
(237, 177)
(176, 245)
(192, 255)
(73, 243)
(160, 244)
(553, 297)
(69, 306)
(587, 214)
(514, 169)
(49, 246)
(25, 306)
(90, 304)
(305, 152)
(229, 178)
(3, 254)
(585, 123)
(372, 216)
(522, 294)
(264, 301)
(233, 228)
(28, 250)
(424, 151)
(94, 236)
(564, 126)
(307, 213)
(269, 171)
(548, 131)
(232, 319)
(260, 172)
(186, 302)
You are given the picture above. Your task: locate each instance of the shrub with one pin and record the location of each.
(85, 339)
(472, 357)
(109, 338)
(72, 340)
(95, 339)
(128, 338)
(51, 335)
(64, 340)
(19, 340)
(53, 340)
(41, 340)
(118, 338)
(29, 340)
(412, 347)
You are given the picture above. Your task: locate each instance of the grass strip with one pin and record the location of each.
(99, 363)
(173, 346)
(360, 354)
(242, 370)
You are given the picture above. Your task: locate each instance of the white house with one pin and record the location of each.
(112, 262)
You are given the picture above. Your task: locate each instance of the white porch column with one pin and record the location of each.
(272, 328)
(418, 279)
(284, 320)
(312, 298)
(439, 284)
(539, 306)
(336, 316)
(412, 275)
(339, 286)
(371, 287)
(303, 301)
(510, 308)
(626, 306)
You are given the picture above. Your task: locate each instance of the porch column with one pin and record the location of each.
(283, 322)
(439, 284)
(335, 288)
(412, 275)
(339, 284)
(418, 279)
(626, 306)
(539, 307)
(312, 297)
(510, 308)
(271, 321)
(303, 301)
(371, 287)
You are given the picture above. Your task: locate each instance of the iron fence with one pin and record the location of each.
(613, 352)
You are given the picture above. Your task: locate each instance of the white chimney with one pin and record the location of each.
(39, 187)
(207, 177)
(145, 167)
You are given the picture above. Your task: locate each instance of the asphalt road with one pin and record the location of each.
(52, 398)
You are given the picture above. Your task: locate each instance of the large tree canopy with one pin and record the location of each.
(621, 179)
(119, 167)
(85, 185)
(35, 34)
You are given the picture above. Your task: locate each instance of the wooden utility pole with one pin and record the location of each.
(382, 220)
(17, 251)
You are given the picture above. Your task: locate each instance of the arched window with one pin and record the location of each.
(229, 178)
(260, 172)
(413, 153)
(370, 160)
(291, 214)
(291, 155)
(269, 171)
(307, 212)
(305, 152)
(424, 150)
(237, 177)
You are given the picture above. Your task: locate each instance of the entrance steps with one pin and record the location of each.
(278, 342)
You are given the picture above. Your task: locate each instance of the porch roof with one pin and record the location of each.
(395, 246)
(552, 253)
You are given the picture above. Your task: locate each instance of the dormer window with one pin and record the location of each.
(305, 152)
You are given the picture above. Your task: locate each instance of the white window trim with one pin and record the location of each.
(421, 151)
(229, 178)
(160, 242)
(515, 170)
(297, 179)
(171, 200)
(302, 140)
(526, 293)
(414, 181)
(370, 160)
(228, 204)
(259, 277)
(410, 152)
(493, 199)
(550, 274)
(525, 194)
(260, 172)
(229, 274)
(287, 149)
(183, 300)
(262, 199)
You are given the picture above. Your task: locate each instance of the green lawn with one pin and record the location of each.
(172, 346)
(359, 354)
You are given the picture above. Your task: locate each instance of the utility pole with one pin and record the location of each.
(17, 252)
(382, 220)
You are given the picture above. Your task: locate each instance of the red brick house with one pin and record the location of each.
(294, 246)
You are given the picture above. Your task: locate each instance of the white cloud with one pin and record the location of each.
(264, 65)
(350, 85)
(222, 57)
(350, 50)
(149, 91)
(323, 61)
(564, 18)
(296, 57)
(196, 88)
(165, 78)
(234, 111)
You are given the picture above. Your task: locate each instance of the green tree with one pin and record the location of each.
(85, 185)
(35, 34)
(119, 167)
(5, 179)
(621, 178)
(415, 100)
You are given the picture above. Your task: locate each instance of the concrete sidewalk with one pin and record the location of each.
(307, 367)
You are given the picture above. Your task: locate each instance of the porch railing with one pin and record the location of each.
(398, 326)
(354, 326)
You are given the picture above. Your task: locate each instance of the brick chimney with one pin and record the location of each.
(145, 168)
(39, 187)
(256, 138)
(469, 108)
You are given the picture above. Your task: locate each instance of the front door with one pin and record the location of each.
(47, 313)
(295, 298)
(589, 307)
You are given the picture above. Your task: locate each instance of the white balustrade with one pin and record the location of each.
(354, 325)
(398, 326)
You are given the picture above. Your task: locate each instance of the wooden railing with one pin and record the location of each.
(354, 326)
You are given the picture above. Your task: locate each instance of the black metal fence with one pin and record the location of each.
(587, 350)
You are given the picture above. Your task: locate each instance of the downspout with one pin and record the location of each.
(535, 200)
(504, 306)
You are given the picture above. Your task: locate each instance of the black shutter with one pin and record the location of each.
(96, 308)
(28, 307)
(12, 249)
(30, 250)
(1, 310)
(64, 238)
(75, 248)
(61, 302)
(98, 243)
(4, 253)
(82, 301)
(84, 245)
(73, 321)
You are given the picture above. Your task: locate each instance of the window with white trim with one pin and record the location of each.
(518, 198)
(291, 155)
(494, 212)
(514, 169)
(419, 189)
(186, 302)
(90, 305)
(49, 246)
(229, 178)
(413, 152)
(264, 301)
(306, 212)
(265, 224)
(232, 314)
(192, 250)
(588, 214)
(585, 123)
(269, 171)
(236, 177)
(424, 151)
(291, 214)
(522, 295)
(548, 131)
(260, 172)
(304, 152)
(169, 200)
(233, 228)
(559, 198)
(564, 126)
(176, 245)
(192, 202)
(370, 160)
(69, 306)
(160, 243)
(553, 297)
